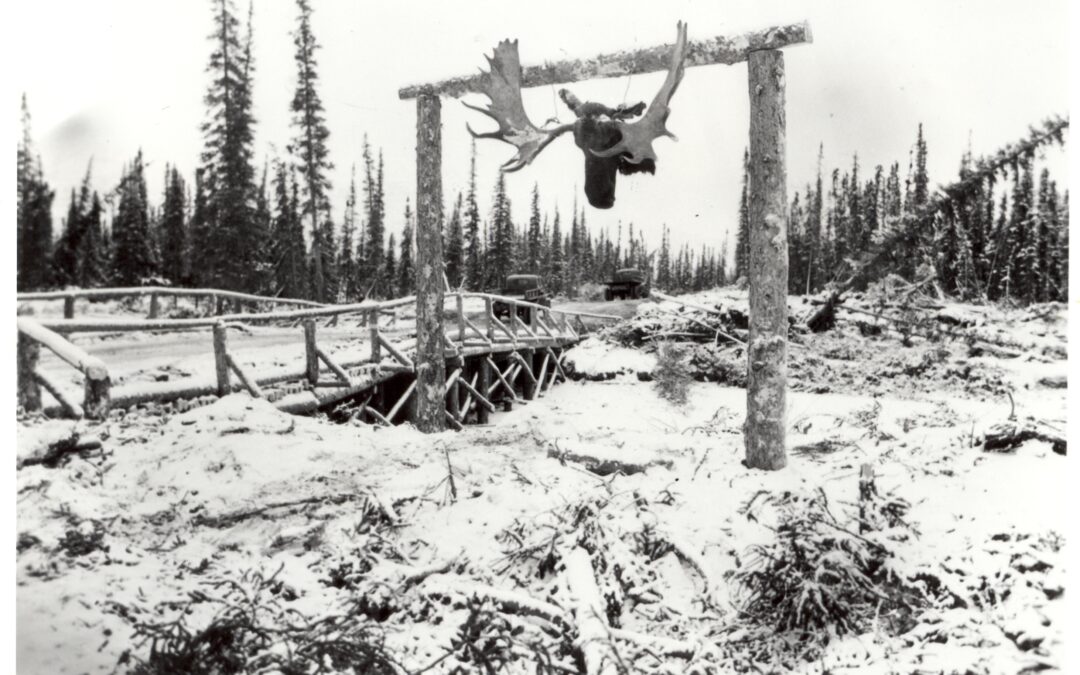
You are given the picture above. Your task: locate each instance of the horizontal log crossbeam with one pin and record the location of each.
(711, 51)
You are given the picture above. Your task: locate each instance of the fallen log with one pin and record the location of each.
(1007, 436)
(52, 453)
(606, 466)
(594, 640)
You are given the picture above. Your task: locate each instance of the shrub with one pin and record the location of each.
(672, 374)
(250, 631)
(821, 577)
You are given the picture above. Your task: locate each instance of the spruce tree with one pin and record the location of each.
(742, 237)
(34, 215)
(555, 280)
(455, 247)
(287, 238)
(228, 254)
(347, 268)
(174, 228)
(133, 257)
(310, 150)
(474, 244)
(92, 267)
(406, 280)
(389, 279)
(502, 235)
(532, 260)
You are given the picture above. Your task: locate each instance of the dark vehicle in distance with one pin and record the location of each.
(628, 283)
(527, 287)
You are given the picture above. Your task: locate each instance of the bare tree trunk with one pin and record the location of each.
(429, 410)
(767, 378)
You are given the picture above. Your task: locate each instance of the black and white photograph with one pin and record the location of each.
(551, 338)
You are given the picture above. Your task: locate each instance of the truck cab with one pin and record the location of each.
(527, 287)
(628, 282)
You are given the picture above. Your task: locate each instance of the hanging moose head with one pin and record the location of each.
(611, 144)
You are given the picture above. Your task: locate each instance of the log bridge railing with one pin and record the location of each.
(217, 298)
(488, 360)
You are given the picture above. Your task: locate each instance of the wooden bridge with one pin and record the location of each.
(489, 360)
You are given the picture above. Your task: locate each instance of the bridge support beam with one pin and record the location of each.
(429, 409)
(766, 390)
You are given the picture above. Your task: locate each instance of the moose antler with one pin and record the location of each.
(637, 137)
(502, 84)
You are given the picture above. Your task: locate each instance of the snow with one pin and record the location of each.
(171, 492)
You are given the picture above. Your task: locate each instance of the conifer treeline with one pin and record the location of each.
(994, 234)
(1003, 234)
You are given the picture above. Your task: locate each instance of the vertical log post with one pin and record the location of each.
(373, 335)
(766, 391)
(311, 352)
(29, 388)
(69, 307)
(221, 360)
(429, 411)
(154, 307)
(96, 387)
(461, 319)
(489, 314)
(482, 384)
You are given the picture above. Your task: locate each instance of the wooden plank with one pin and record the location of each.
(510, 375)
(467, 405)
(557, 360)
(378, 417)
(248, 382)
(766, 390)
(711, 51)
(91, 366)
(501, 326)
(69, 406)
(480, 398)
(395, 352)
(542, 376)
(501, 379)
(334, 368)
(401, 401)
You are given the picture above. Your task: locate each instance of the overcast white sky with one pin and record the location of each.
(116, 75)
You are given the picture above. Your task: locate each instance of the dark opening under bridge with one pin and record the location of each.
(488, 360)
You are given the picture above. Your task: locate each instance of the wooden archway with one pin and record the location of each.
(766, 392)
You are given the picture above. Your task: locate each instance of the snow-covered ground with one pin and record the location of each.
(408, 527)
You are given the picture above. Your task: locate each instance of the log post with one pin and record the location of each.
(69, 307)
(373, 335)
(461, 319)
(96, 397)
(429, 409)
(483, 382)
(221, 361)
(29, 388)
(766, 390)
(489, 314)
(311, 352)
(154, 307)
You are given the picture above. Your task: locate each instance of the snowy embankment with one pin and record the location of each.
(449, 545)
